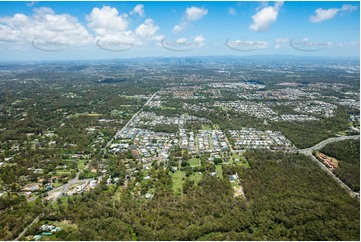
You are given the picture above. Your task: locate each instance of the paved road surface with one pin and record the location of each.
(127, 124)
(26, 229)
(338, 180)
(327, 141)
(308, 152)
(57, 193)
(64, 188)
(229, 144)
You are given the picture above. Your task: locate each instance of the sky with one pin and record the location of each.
(32, 31)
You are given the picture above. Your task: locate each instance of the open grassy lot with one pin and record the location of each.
(178, 180)
(66, 225)
(242, 161)
(81, 164)
(168, 108)
(57, 184)
(219, 171)
(196, 177)
(63, 172)
(195, 162)
(206, 127)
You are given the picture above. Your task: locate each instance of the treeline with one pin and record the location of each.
(293, 199)
(287, 198)
(165, 128)
(347, 152)
(307, 134)
(13, 220)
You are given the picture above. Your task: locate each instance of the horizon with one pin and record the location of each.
(274, 57)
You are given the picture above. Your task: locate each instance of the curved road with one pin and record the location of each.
(64, 188)
(326, 142)
(57, 193)
(308, 152)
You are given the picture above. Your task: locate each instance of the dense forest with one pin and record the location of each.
(307, 134)
(58, 125)
(347, 152)
(287, 198)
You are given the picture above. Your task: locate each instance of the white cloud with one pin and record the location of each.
(111, 26)
(180, 27)
(147, 29)
(194, 13)
(191, 14)
(326, 14)
(263, 18)
(44, 24)
(158, 37)
(107, 21)
(105, 24)
(139, 9)
(199, 40)
(232, 11)
(9, 34)
(127, 37)
(323, 14)
(348, 8)
(277, 46)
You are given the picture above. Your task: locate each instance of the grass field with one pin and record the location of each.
(63, 172)
(8, 164)
(225, 108)
(343, 133)
(129, 97)
(242, 161)
(168, 108)
(219, 171)
(81, 164)
(66, 225)
(196, 177)
(127, 105)
(178, 180)
(206, 127)
(230, 160)
(235, 156)
(57, 184)
(117, 193)
(195, 162)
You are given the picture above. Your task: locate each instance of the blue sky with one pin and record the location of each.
(103, 30)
